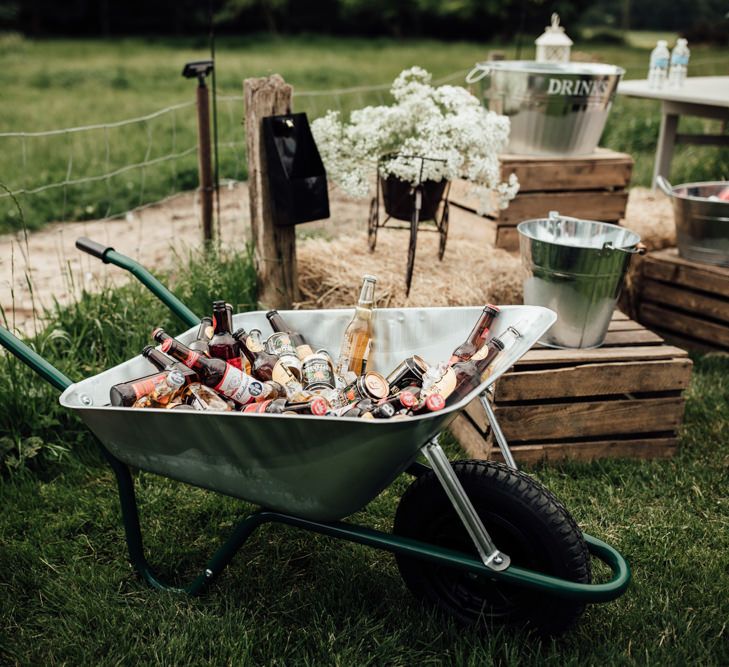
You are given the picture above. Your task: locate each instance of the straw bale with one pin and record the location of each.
(471, 273)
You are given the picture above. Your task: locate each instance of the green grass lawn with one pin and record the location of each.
(68, 595)
(49, 85)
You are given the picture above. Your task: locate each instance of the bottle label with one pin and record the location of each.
(317, 371)
(237, 362)
(280, 344)
(445, 385)
(144, 387)
(191, 359)
(238, 386)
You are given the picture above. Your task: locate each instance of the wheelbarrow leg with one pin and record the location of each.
(487, 550)
(498, 433)
(135, 544)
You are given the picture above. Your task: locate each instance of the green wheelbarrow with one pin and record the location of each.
(480, 540)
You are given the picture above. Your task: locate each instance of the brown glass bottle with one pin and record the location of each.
(202, 338)
(218, 374)
(222, 345)
(262, 363)
(164, 363)
(303, 349)
(464, 376)
(477, 337)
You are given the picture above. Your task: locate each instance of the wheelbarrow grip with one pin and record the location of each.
(108, 255)
(93, 248)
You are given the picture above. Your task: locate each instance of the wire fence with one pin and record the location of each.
(105, 170)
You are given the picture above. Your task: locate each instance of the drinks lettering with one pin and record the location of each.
(223, 377)
(358, 336)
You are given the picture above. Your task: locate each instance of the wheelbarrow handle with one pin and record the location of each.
(33, 360)
(108, 255)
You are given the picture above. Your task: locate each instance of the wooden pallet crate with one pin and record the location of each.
(623, 399)
(592, 187)
(686, 302)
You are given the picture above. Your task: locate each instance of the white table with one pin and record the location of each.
(703, 96)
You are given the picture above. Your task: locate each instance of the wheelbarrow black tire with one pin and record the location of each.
(525, 520)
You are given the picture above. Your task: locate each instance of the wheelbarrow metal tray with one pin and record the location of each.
(322, 468)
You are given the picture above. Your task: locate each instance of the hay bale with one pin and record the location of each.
(470, 273)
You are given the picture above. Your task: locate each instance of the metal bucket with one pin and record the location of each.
(702, 224)
(576, 268)
(554, 108)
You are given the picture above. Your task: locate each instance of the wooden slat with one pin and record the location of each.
(602, 170)
(639, 448)
(624, 325)
(667, 266)
(595, 380)
(619, 315)
(590, 418)
(546, 356)
(694, 327)
(632, 337)
(507, 238)
(477, 415)
(591, 205)
(699, 303)
(686, 342)
(470, 438)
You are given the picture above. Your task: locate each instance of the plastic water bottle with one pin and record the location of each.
(679, 63)
(658, 72)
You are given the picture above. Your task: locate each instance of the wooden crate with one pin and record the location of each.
(623, 399)
(686, 302)
(592, 187)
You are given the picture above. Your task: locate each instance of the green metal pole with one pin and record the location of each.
(31, 358)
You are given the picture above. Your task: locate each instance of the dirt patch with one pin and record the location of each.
(332, 255)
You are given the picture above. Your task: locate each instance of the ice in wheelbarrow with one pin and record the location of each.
(222, 370)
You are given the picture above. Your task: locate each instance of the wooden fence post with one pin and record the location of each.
(274, 247)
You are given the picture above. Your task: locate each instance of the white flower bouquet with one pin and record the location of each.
(445, 123)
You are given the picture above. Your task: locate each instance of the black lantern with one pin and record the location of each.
(296, 175)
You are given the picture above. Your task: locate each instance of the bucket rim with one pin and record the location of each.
(534, 67)
(523, 225)
(699, 184)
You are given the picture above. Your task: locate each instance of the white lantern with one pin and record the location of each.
(553, 46)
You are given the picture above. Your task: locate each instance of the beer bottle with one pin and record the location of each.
(358, 336)
(463, 376)
(164, 363)
(432, 403)
(317, 406)
(201, 397)
(221, 376)
(262, 363)
(166, 388)
(477, 337)
(204, 334)
(222, 345)
(271, 391)
(278, 324)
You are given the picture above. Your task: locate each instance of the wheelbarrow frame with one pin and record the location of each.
(491, 563)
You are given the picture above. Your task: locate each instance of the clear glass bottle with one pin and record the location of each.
(357, 341)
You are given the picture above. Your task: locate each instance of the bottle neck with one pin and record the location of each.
(367, 295)
(161, 361)
(203, 332)
(277, 322)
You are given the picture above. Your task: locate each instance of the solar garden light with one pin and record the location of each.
(200, 69)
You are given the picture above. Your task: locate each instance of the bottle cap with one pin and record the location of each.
(492, 307)
(369, 277)
(219, 305)
(239, 333)
(408, 399)
(319, 406)
(435, 402)
(147, 349)
(271, 313)
(156, 332)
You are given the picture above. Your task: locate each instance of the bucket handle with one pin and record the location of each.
(664, 185)
(478, 72)
(638, 249)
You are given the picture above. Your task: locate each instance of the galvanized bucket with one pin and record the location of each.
(576, 268)
(554, 108)
(702, 220)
